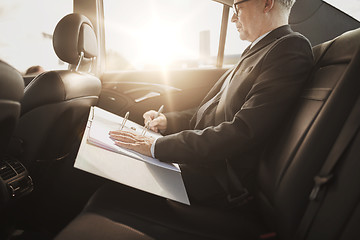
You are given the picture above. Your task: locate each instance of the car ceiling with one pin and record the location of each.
(227, 2)
(319, 21)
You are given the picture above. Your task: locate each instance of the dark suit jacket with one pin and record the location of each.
(264, 85)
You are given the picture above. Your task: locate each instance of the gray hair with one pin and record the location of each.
(287, 3)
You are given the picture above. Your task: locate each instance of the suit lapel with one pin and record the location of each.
(213, 91)
(271, 37)
(217, 86)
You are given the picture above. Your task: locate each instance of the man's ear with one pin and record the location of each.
(269, 4)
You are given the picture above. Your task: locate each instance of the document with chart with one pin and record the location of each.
(103, 122)
(99, 155)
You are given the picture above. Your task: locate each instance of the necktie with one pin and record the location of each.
(213, 100)
(246, 50)
(216, 98)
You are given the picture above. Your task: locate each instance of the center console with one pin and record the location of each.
(15, 180)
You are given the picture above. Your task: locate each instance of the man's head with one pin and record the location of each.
(287, 4)
(254, 18)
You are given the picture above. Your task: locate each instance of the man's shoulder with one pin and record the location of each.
(287, 44)
(292, 39)
(285, 33)
(296, 35)
(283, 37)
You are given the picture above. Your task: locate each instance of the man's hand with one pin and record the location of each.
(155, 124)
(132, 141)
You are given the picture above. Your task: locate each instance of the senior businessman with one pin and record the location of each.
(226, 133)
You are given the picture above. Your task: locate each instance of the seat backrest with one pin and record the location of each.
(56, 103)
(287, 168)
(335, 212)
(11, 92)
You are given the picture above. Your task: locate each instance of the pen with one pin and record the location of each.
(147, 125)
(124, 120)
(159, 111)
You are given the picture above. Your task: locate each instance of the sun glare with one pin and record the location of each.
(159, 44)
(161, 34)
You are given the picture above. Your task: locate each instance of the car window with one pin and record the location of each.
(26, 32)
(350, 7)
(156, 34)
(234, 46)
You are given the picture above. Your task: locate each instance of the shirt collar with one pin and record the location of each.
(258, 39)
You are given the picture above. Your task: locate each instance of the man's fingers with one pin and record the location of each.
(140, 147)
(115, 132)
(141, 144)
(154, 122)
(122, 133)
(131, 146)
(127, 139)
(149, 116)
(155, 129)
(153, 125)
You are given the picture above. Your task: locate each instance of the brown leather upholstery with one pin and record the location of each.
(287, 169)
(285, 174)
(11, 93)
(56, 103)
(74, 34)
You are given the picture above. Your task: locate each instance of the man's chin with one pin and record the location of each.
(242, 36)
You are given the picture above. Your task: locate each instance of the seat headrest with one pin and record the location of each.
(72, 35)
(59, 86)
(11, 83)
(340, 49)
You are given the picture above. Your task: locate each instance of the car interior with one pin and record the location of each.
(308, 186)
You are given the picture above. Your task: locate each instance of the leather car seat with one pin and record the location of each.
(11, 93)
(285, 175)
(56, 103)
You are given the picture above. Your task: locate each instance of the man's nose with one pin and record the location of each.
(234, 18)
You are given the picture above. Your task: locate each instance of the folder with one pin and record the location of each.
(99, 155)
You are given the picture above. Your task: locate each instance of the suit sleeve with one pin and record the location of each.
(178, 121)
(283, 72)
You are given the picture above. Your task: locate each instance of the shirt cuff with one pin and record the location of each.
(152, 149)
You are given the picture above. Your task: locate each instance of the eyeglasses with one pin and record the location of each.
(235, 9)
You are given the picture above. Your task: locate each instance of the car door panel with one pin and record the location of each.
(140, 91)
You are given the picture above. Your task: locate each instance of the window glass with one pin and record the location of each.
(26, 29)
(351, 7)
(153, 34)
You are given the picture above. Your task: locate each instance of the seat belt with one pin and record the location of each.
(237, 194)
(349, 130)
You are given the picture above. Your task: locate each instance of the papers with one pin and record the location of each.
(100, 156)
(103, 121)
